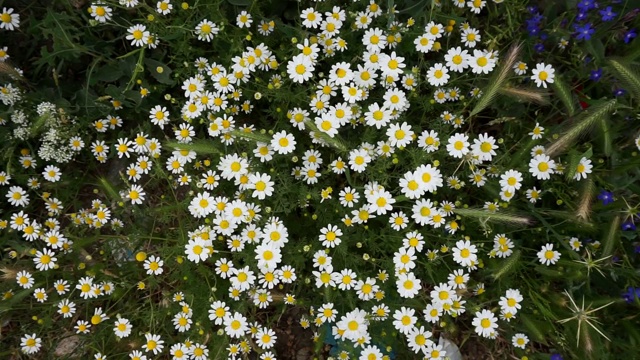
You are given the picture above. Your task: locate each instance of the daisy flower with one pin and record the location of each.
(153, 265)
(541, 167)
(404, 320)
(485, 323)
(283, 143)
(311, 18)
(153, 343)
(122, 327)
(164, 7)
(481, 62)
(244, 20)
(458, 145)
(45, 260)
(547, 255)
(408, 285)
(438, 75)
(520, 340)
(543, 74)
(235, 325)
(9, 21)
(464, 253)
(18, 196)
(30, 344)
(206, 30)
(138, 35)
(100, 12)
(537, 132)
(584, 167)
(457, 59)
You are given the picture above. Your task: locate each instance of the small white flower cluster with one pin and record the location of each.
(9, 95)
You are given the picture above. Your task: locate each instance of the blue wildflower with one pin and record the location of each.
(586, 5)
(596, 74)
(607, 14)
(539, 47)
(628, 226)
(606, 197)
(619, 92)
(636, 249)
(584, 32)
(630, 35)
(631, 294)
(556, 357)
(582, 16)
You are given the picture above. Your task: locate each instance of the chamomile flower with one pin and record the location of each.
(18, 196)
(520, 340)
(464, 253)
(438, 75)
(424, 43)
(206, 30)
(408, 285)
(584, 167)
(122, 327)
(484, 147)
(541, 167)
(30, 344)
(511, 180)
(153, 343)
(470, 37)
(45, 260)
(283, 143)
(485, 323)
(547, 255)
(359, 159)
(101, 12)
(400, 135)
(235, 325)
(543, 74)
(9, 20)
(300, 68)
(404, 320)
(458, 145)
(138, 35)
(244, 20)
(481, 62)
(457, 59)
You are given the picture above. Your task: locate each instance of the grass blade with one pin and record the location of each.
(563, 92)
(497, 80)
(585, 121)
(627, 75)
(501, 217)
(528, 95)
